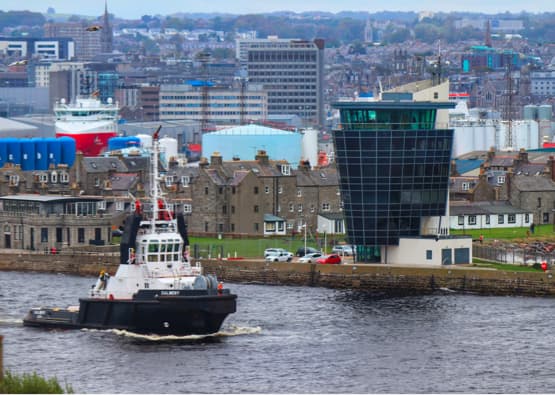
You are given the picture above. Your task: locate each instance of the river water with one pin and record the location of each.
(295, 339)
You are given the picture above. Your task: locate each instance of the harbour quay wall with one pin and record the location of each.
(391, 279)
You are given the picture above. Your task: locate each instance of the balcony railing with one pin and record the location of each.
(372, 126)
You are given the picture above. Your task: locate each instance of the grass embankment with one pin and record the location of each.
(31, 384)
(505, 266)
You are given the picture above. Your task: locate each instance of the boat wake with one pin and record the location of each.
(232, 331)
(10, 321)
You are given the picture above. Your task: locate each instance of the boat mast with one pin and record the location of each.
(154, 179)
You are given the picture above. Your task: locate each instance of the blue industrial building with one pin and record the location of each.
(243, 142)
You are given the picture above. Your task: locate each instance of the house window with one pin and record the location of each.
(224, 209)
(233, 190)
(232, 209)
(325, 207)
(96, 182)
(511, 219)
(256, 190)
(43, 177)
(220, 190)
(465, 186)
(44, 235)
(539, 202)
(526, 218)
(299, 192)
(300, 208)
(291, 207)
(487, 220)
(545, 218)
(256, 227)
(285, 170)
(54, 177)
(59, 235)
(206, 226)
(81, 235)
(312, 208)
(64, 177)
(185, 180)
(120, 206)
(280, 189)
(500, 219)
(266, 189)
(206, 190)
(461, 220)
(256, 208)
(187, 208)
(279, 208)
(233, 227)
(169, 181)
(101, 205)
(472, 220)
(501, 179)
(429, 255)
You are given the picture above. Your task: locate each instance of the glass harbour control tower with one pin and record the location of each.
(394, 164)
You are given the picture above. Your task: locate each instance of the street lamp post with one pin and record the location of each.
(325, 240)
(304, 238)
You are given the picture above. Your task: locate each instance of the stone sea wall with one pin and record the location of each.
(375, 278)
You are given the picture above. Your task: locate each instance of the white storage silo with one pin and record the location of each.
(168, 146)
(309, 144)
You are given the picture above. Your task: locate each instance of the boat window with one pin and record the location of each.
(162, 248)
(162, 258)
(153, 258)
(170, 248)
(175, 257)
(153, 246)
(176, 247)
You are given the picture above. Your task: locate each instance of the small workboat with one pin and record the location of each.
(156, 290)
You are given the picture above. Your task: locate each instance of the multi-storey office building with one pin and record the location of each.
(394, 164)
(221, 105)
(292, 73)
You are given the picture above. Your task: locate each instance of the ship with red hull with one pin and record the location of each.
(88, 121)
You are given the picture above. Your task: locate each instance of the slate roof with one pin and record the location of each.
(100, 164)
(483, 208)
(533, 183)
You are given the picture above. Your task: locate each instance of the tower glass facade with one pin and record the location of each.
(394, 170)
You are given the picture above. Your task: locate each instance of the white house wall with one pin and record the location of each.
(413, 251)
(520, 221)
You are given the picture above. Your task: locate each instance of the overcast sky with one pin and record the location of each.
(132, 9)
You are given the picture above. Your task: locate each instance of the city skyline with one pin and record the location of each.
(128, 9)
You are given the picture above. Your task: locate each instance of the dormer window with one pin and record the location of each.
(101, 205)
(169, 181)
(43, 178)
(64, 177)
(465, 186)
(185, 180)
(53, 177)
(286, 170)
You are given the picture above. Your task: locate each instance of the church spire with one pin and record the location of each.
(107, 36)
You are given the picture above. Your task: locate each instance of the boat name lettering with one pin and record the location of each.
(169, 292)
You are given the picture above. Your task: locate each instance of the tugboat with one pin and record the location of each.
(155, 289)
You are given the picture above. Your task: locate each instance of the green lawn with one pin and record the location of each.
(541, 231)
(506, 267)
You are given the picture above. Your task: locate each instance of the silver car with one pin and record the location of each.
(310, 258)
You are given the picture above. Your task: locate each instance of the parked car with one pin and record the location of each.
(332, 259)
(282, 256)
(310, 258)
(343, 249)
(271, 251)
(309, 250)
